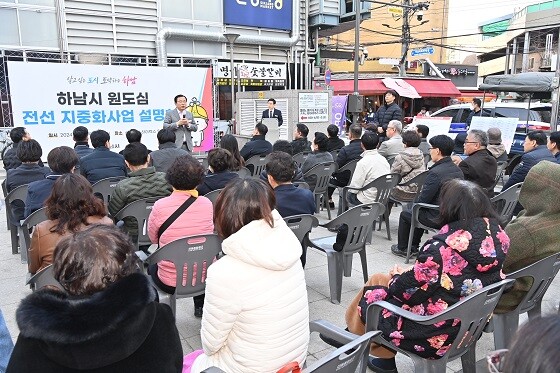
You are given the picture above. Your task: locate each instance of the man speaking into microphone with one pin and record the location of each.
(272, 112)
(181, 121)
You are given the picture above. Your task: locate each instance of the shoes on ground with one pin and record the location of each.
(395, 250)
(331, 204)
(382, 365)
(198, 312)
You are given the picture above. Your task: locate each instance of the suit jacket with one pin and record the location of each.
(276, 114)
(183, 134)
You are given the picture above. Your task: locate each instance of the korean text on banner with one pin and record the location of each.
(508, 126)
(276, 14)
(338, 117)
(111, 98)
(437, 125)
(313, 107)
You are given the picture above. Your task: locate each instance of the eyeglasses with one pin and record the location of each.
(496, 361)
(471, 142)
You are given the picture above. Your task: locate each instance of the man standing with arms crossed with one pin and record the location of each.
(182, 122)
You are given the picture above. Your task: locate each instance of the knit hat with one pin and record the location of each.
(494, 136)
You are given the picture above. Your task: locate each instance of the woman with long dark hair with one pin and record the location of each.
(229, 142)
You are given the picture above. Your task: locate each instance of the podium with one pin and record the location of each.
(273, 134)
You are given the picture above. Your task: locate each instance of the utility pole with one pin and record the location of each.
(405, 37)
(357, 10)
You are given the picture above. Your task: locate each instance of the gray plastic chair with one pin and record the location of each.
(358, 219)
(383, 184)
(322, 172)
(414, 223)
(334, 154)
(191, 257)
(44, 278)
(17, 194)
(499, 174)
(299, 158)
(542, 273)
(105, 187)
(302, 225)
(31, 221)
(473, 312)
(244, 172)
(213, 195)
(257, 163)
(203, 159)
(301, 184)
(418, 180)
(506, 201)
(140, 210)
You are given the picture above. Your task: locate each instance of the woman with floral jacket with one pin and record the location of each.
(464, 256)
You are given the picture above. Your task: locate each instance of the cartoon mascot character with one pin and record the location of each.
(201, 118)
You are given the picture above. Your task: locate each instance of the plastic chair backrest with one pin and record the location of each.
(299, 158)
(506, 201)
(301, 225)
(105, 187)
(203, 159)
(418, 180)
(191, 256)
(334, 154)
(349, 166)
(141, 210)
(384, 184)
(258, 162)
(301, 184)
(17, 194)
(244, 172)
(44, 277)
(213, 195)
(323, 172)
(32, 220)
(499, 173)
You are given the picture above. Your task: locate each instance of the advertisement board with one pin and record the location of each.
(313, 107)
(273, 14)
(111, 98)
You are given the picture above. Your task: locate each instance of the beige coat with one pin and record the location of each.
(409, 164)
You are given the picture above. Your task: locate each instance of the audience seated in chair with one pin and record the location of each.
(553, 144)
(102, 162)
(256, 315)
(300, 142)
(495, 146)
(394, 145)
(219, 173)
(10, 158)
(441, 171)
(70, 207)
(534, 233)
(409, 163)
(285, 147)
(80, 135)
(258, 144)
(167, 151)
(229, 143)
(184, 175)
(335, 142)
(108, 320)
(319, 155)
(143, 182)
(62, 160)
(133, 136)
(370, 167)
(423, 132)
(466, 255)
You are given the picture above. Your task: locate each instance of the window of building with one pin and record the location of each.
(28, 23)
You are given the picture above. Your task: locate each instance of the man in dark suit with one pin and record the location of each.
(102, 162)
(182, 122)
(80, 137)
(258, 145)
(272, 112)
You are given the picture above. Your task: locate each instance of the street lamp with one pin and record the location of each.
(231, 38)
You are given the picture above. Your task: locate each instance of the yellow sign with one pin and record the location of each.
(395, 10)
(261, 95)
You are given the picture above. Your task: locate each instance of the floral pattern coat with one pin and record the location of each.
(459, 260)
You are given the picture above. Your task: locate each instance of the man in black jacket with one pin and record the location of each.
(102, 162)
(258, 145)
(300, 143)
(10, 159)
(388, 112)
(81, 146)
(443, 170)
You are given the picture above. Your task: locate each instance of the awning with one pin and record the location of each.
(434, 88)
(366, 87)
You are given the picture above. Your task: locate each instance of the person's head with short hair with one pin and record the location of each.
(476, 103)
(553, 143)
(301, 131)
(271, 103)
(476, 140)
(390, 96)
(494, 136)
(370, 140)
(394, 128)
(332, 131)
(411, 139)
(219, 160)
(542, 334)
(133, 135)
(71, 202)
(136, 156)
(534, 139)
(100, 138)
(185, 173)
(320, 142)
(80, 134)
(441, 146)
(180, 102)
(62, 160)
(355, 132)
(89, 261)
(260, 129)
(241, 202)
(165, 136)
(423, 130)
(19, 134)
(280, 168)
(283, 146)
(462, 201)
(29, 151)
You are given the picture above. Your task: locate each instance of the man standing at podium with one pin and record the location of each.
(272, 112)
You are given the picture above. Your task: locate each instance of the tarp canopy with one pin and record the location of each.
(524, 82)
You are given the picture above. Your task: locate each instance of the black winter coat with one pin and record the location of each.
(102, 163)
(120, 329)
(257, 146)
(301, 145)
(387, 113)
(480, 167)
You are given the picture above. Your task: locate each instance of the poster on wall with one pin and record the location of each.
(313, 107)
(273, 14)
(111, 98)
(508, 126)
(437, 125)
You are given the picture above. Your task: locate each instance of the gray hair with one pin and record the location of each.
(494, 136)
(355, 131)
(397, 124)
(479, 136)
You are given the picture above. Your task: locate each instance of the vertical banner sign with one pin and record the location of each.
(273, 14)
(338, 104)
(111, 98)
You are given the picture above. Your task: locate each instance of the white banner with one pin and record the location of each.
(437, 125)
(313, 107)
(51, 99)
(508, 126)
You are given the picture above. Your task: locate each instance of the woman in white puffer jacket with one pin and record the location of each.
(256, 315)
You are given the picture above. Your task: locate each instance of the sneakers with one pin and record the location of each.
(382, 365)
(331, 205)
(398, 252)
(198, 312)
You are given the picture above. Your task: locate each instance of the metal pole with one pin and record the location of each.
(405, 38)
(232, 69)
(356, 54)
(556, 92)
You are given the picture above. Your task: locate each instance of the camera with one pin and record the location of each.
(419, 15)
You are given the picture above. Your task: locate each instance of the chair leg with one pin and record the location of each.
(14, 239)
(347, 265)
(364, 264)
(22, 245)
(386, 216)
(468, 360)
(326, 202)
(173, 304)
(335, 268)
(505, 327)
(535, 312)
(317, 203)
(410, 237)
(340, 203)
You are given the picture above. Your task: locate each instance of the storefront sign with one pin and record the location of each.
(251, 74)
(460, 75)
